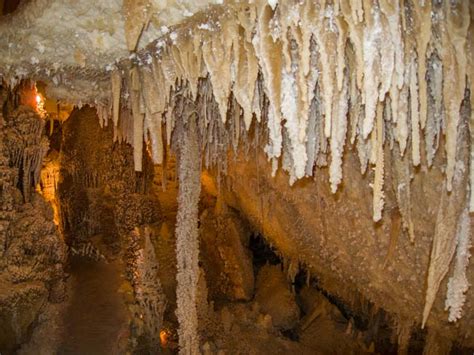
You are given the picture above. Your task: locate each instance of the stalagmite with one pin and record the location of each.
(146, 284)
(187, 244)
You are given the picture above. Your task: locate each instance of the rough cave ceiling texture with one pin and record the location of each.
(322, 76)
(74, 42)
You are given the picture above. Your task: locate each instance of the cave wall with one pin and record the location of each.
(98, 191)
(32, 253)
(334, 237)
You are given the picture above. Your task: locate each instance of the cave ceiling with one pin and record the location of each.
(72, 45)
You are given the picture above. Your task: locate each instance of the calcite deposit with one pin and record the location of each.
(339, 132)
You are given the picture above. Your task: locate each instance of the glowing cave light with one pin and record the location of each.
(40, 105)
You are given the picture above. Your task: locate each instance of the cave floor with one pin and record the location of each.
(96, 319)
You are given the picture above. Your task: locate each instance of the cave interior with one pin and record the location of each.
(236, 177)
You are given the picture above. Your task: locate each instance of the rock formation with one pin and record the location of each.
(340, 131)
(32, 254)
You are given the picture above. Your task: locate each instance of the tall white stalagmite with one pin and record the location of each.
(187, 243)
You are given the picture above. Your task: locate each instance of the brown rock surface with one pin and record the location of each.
(275, 298)
(227, 261)
(334, 236)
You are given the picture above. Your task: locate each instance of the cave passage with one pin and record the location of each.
(96, 319)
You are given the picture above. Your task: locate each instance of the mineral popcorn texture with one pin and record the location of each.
(32, 254)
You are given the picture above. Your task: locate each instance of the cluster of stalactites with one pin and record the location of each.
(379, 74)
(27, 145)
(368, 72)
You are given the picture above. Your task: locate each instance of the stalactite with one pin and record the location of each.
(414, 115)
(246, 79)
(268, 53)
(395, 69)
(400, 111)
(396, 53)
(435, 107)
(312, 144)
(379, 166)
(326, 35)
(454, 61)
(116, 87)
(217, 54)
(401, 180)
(449, 212)
(187, 244)
(290, 107)
(458, 283)
(138, 117)
(470, 46)
(371, 43)
(422, 20)
(154, 110)
(338, 136)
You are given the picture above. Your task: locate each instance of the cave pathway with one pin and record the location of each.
(95, 321)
